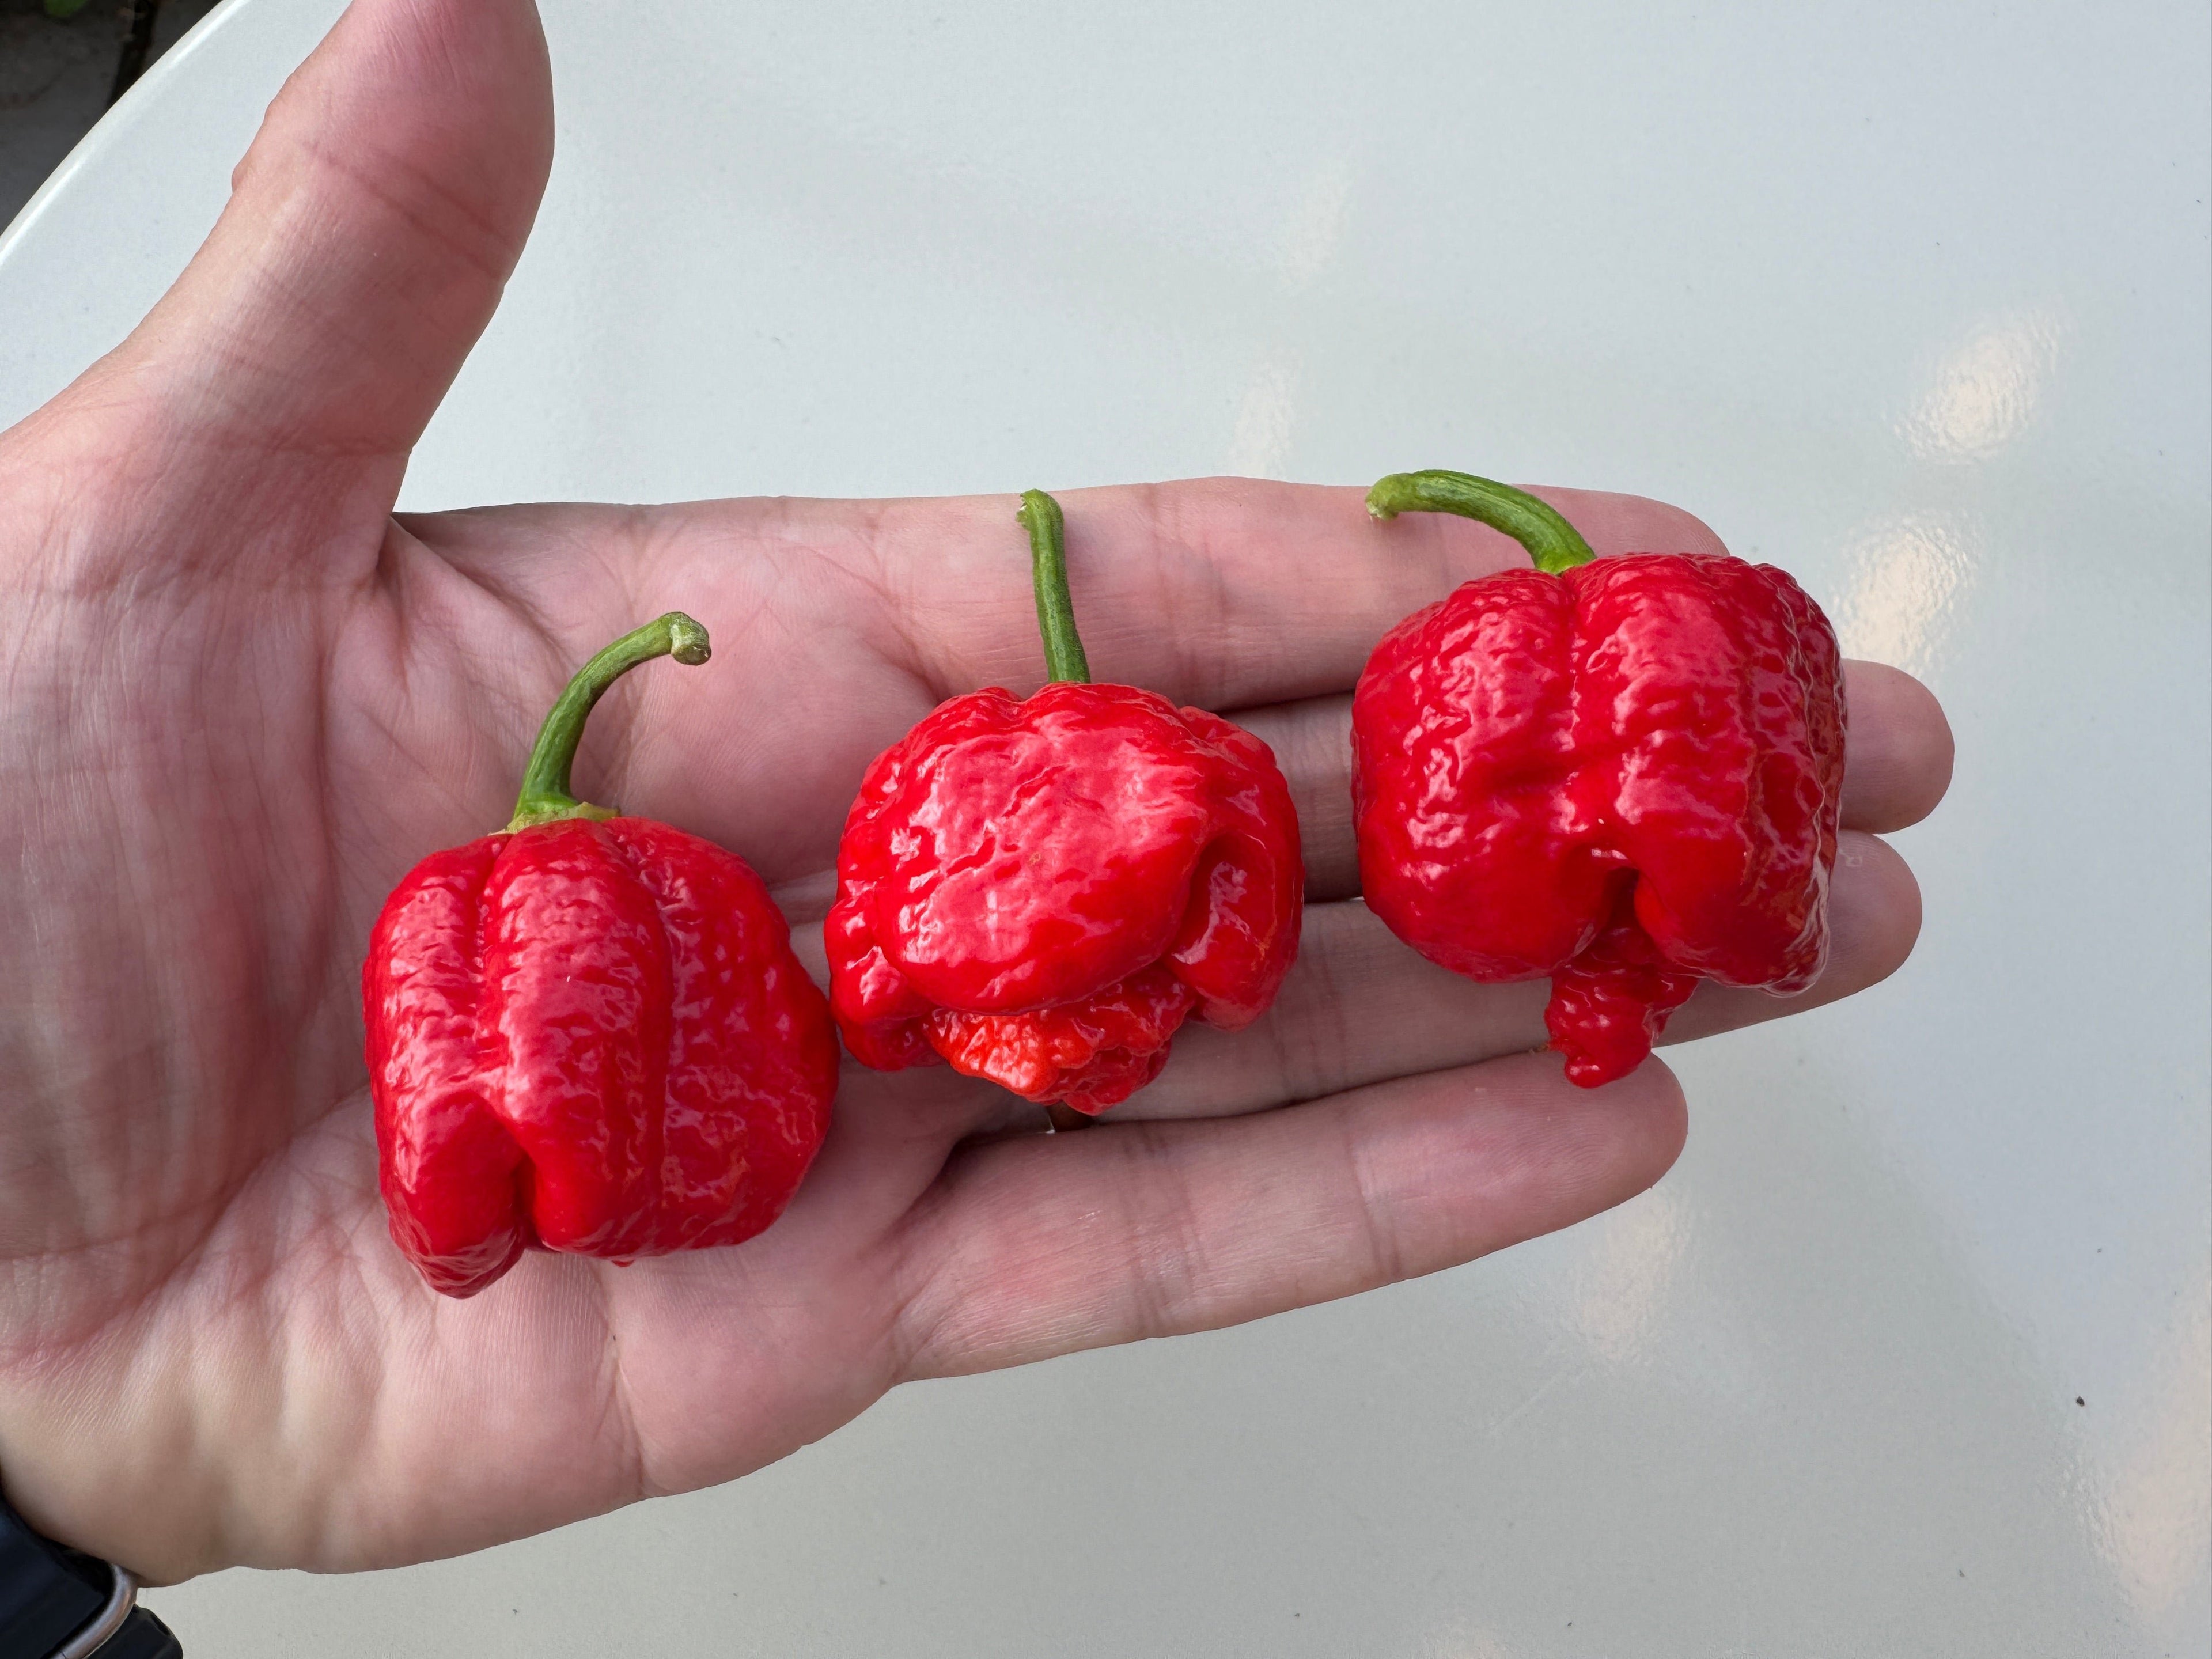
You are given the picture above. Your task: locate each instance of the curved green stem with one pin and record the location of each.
(545, 795)
(1551, 542)
(1063, 648)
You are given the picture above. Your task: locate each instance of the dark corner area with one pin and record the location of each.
(62, 63)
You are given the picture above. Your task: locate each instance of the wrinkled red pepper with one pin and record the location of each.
(1040, 891)
(1623, 773)
(587, 1032)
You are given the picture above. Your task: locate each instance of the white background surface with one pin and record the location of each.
(1915, 299)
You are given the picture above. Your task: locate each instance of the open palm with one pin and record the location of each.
(242, 699)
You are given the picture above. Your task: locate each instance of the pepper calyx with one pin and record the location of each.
(586, 810)
(1553, 544)
(545, 797)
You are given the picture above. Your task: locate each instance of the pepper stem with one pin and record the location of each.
(1552, 542)
(545, 796)
(1063, 647)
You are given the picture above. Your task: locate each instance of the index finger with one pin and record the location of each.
(1223, 592)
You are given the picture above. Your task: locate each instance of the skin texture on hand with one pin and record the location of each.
(243, 699)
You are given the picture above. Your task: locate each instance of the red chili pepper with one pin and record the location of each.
(1040, 891)
(1623, 773)
(587, 1032)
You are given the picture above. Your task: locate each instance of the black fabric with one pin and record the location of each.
(48, 1593)
(142, 1637)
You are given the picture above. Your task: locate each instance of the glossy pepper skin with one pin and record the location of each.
(587, 1032)
(1040, 891)
(1623, 773)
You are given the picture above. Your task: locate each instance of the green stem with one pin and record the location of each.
(1063, 649)
(545, 795)
(1551, 542)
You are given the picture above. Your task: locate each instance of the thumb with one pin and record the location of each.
(371, 229)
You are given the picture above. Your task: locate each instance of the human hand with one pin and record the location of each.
(243, 699)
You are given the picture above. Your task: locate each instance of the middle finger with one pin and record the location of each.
(1897, 762)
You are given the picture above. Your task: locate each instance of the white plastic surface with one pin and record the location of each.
(1912, 1353)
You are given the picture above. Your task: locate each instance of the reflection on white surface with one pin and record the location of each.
(1985, 391)
(1909, 584)
(1316, 228)
(1267, 412)
(1261, 442)
(1621, 1296)
(2157, 1513)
